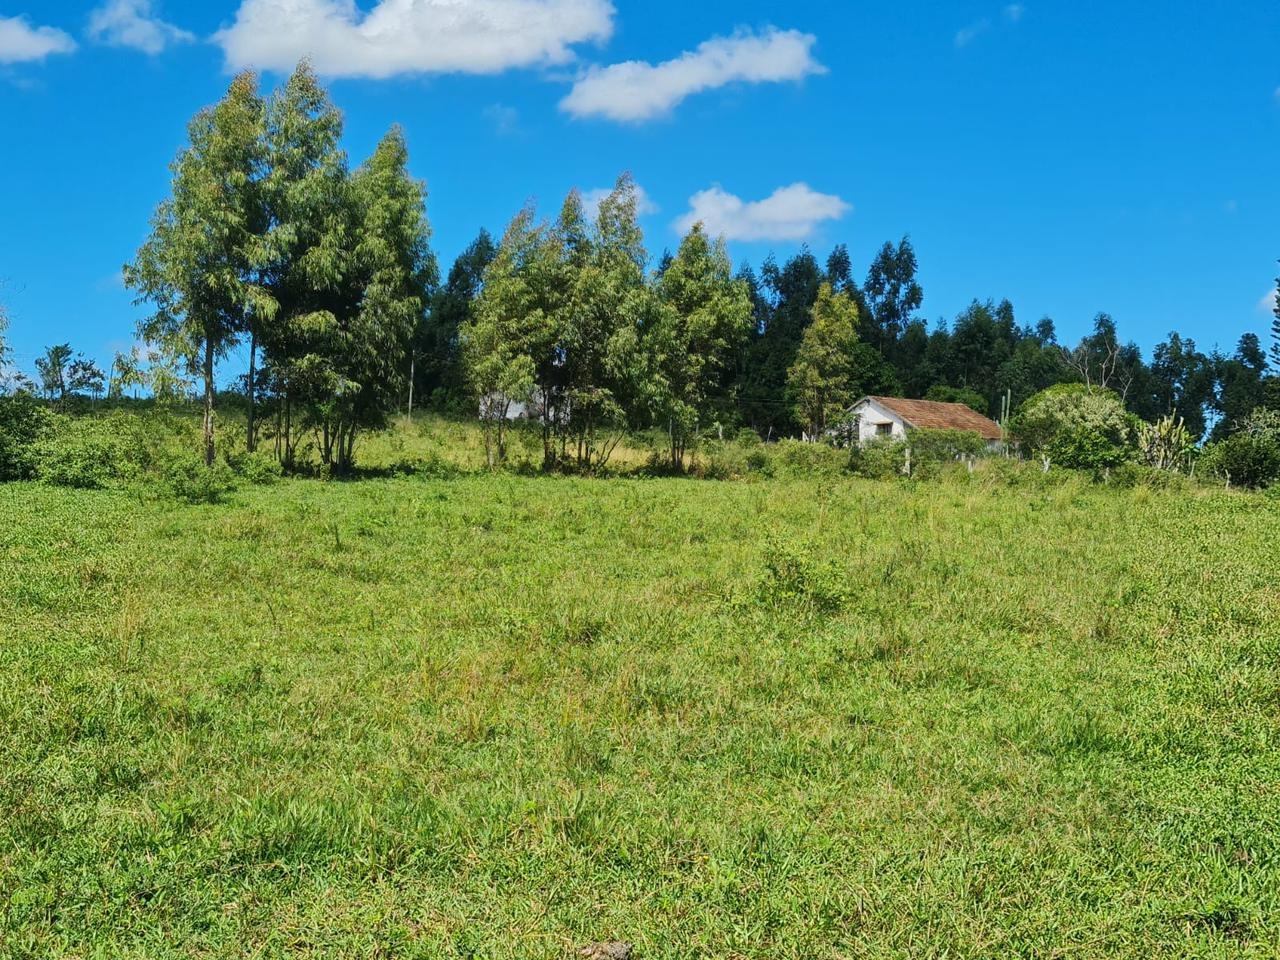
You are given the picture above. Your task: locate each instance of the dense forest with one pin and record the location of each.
(272, 242)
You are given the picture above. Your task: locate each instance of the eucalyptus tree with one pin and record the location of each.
(822, 379)
(704, 315)
(52, 370)
(198, 268)
(608, 309)
(385, 287)
(893, 294)
(439, 368)
(126, 372)
(495, 340)
(305, 250)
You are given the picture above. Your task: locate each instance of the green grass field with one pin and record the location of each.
(502, 717)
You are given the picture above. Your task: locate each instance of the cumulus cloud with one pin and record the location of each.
(133, 23)
(20, 42)
(411, 36)
(1014, 12)
(591, 200)
(1270, 302)
(636, 90)
(791, 213)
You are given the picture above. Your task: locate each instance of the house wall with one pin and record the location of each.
(870, 416)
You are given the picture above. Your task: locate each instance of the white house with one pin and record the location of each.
(535, 408)
(893, 417)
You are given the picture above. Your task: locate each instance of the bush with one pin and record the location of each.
(1245, 459)
(91, 452)
(192, 482)
(78, 453)
(258, 468)
(883, 458)
(792, 575)
(945, 446)
(1134, 476)
(805, 459)
(24, 421)
(1072, 425)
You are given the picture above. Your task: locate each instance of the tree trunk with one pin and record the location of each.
(250, 437)
(208, 402)
(413, 363)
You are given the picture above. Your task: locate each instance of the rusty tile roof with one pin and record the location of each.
(930, 415)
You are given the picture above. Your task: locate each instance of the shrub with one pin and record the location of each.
(1072, 425)
(1132, 476)
(259, 468)
(880, 459)
(78, 453)
(945, 446)
(23, 422)
(792, 575)
(1245, 459)
(192, 482)
(794, 456)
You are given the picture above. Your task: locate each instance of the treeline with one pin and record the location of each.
(271, 241)
(985, 357)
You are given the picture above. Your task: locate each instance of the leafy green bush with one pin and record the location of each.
(1071, 425)
(1245, 459)
(807, 459)
(933, 451)
(92, 452)
(192, 482)
(23, 422)
(1132, 476)
(792, 575)
(883, 458)
(258, 468)
(80, 453)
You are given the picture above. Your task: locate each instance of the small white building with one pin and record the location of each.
(893, 417)
(535, 408)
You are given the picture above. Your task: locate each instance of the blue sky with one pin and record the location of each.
(1071, 156)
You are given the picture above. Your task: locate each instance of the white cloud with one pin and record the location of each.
(1014, 12)
(1270, 302)
(791, 213)
(591, 200)
(637, 90)
(133, 23)
(22, 43)
(505, 120)
(411, 36)
(971, 33)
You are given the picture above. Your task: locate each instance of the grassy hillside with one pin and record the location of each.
(501, 717)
